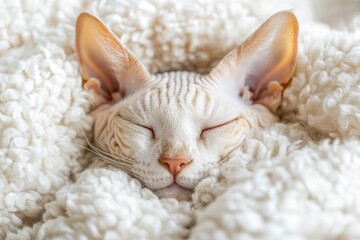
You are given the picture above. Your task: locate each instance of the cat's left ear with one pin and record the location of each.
(107, 66)
(265, 62)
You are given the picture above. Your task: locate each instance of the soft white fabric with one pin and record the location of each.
(300, 179)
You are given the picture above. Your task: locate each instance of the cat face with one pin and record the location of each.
(174, 130)
(168, 130)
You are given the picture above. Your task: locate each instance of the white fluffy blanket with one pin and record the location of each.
(300, 179)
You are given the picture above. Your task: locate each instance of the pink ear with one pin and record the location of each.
(265, 62)
(106, 65)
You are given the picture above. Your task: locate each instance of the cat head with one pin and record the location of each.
(169, 129)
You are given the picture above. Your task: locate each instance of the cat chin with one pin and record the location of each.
(174, 191)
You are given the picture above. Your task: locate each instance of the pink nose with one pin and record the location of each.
(175, 165)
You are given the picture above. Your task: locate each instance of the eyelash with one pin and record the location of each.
(217, 126)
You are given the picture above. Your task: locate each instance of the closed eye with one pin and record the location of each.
(148, 128)
(217, 126)
(153, 136)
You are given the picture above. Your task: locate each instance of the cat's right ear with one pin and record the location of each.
(264, 63)
(106, 65)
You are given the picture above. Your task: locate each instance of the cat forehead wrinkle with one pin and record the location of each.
(170, 93)
(176, 86)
